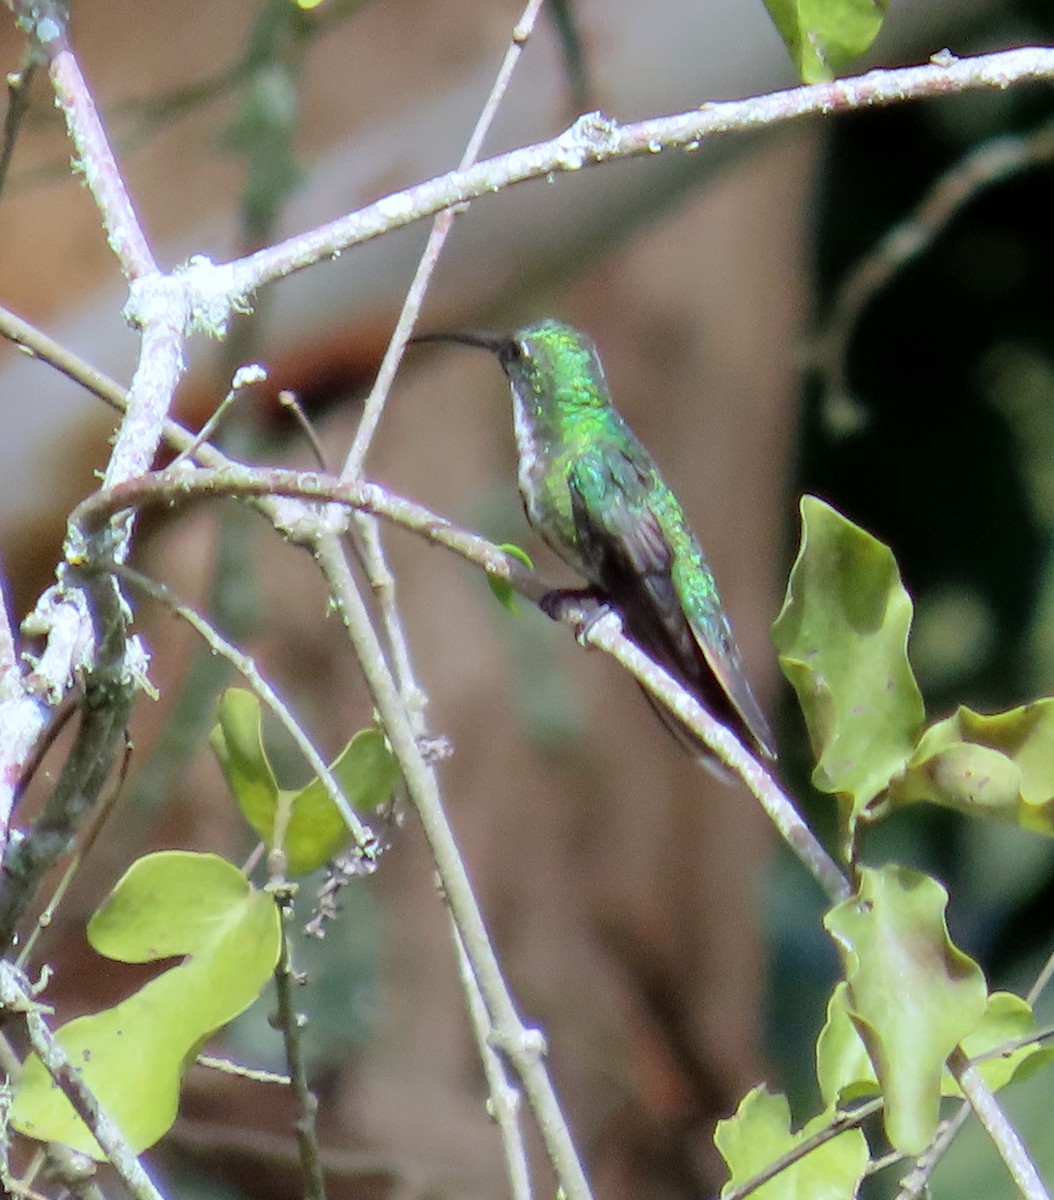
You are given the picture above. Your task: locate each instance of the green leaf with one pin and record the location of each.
(501, 587)
(133, 1055)
(843, 1068)
(305, 824)
(367, 772)
(999, 766)
(845, 1073)
(760, 1132)
(913, 996)
(237, 742)
(1007, 1018)
(842, 636)
(825, 36)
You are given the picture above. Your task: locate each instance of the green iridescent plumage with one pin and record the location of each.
(595, 494)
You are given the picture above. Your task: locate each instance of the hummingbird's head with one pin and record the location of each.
(554, 362)
(548, 361)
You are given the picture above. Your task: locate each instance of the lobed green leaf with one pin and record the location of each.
(133, 1056)
(842, 639)
(912, 995)
(760, 1132)
(996, 766)
(305, 824)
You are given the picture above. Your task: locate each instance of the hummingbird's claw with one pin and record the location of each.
(563, 603)
(581, 608)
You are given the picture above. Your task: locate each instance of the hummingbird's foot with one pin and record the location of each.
(581, 608)
(558, 603)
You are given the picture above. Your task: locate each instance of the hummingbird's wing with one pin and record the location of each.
(667, 600)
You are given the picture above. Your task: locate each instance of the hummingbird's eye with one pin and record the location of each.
(513, 351)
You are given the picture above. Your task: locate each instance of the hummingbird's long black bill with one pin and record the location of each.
(495, 342)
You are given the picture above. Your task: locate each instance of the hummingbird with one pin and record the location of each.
(595, 495)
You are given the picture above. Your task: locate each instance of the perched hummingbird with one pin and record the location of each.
(596, 496)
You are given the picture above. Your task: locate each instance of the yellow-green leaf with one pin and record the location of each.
(133, 1055)
(997, 766)
(501, 587)
(760, 1132)
(1007, 1019)
(912, 995)
(305, 824)
(843, 1068)
(824, 36)
(845, 1073)
(367, 773)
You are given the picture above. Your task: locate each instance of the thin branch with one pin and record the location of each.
(291, 403)
(915, 1185)
(38, 345)
(290, 1023)
(1042, 980)
(607, 635)
(444, 222)
(382, 583)
(100, 816)
(594, 139)
(365, 840)
(523, 1047)
(1005, 1138)
(171, 488)
(838, 1125)
(14, 998)
(503, 1099)
(177, 487)
(18, 85)
(368, 545)
(226, 1067)
(96, 160)
(107, 702)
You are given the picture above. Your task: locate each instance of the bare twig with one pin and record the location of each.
(72, 1171)
(94, 156)
(178, 487)
(368, 545)
(523, 1047)
(444, 222)
(98, 819)
(107, 702)
(39, 345)
(290, 1022)
(1004, 1137)
(364, 838)
(607, 635)
(1042, 980)
(18, 86)
(595, 139)
(915, 1184)
(504, 1099)
(226, 1067)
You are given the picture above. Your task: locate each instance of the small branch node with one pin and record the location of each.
(590, 139)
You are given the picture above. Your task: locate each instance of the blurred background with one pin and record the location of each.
(646, 917)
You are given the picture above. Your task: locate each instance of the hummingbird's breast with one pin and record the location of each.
(545, 456)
